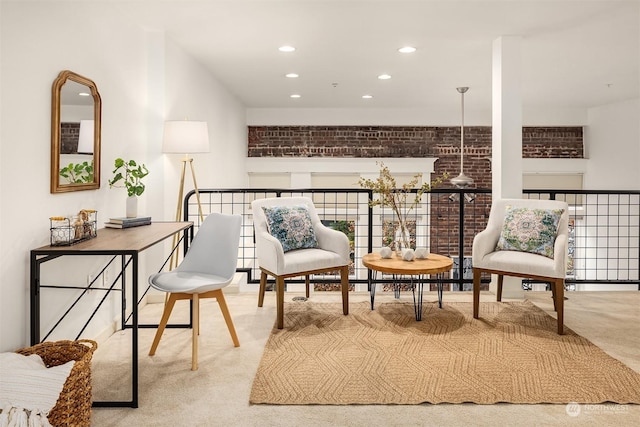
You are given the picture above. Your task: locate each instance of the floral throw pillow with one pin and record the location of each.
(291, 225)
(530, 230)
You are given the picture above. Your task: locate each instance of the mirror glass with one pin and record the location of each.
(75, 133)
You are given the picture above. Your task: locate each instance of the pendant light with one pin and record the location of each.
(462, 181)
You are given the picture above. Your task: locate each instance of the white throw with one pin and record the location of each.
(28, 389)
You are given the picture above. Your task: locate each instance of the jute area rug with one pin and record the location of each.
(511, 354)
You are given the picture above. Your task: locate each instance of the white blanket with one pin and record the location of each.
(28, 389)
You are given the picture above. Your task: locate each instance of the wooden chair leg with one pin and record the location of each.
(227, 316)
(476, 292)
(263, 288)
(168, 307)
(559, 303)
(553, 295)
(280, 301)
(344, 279)
(500, 282)
(307, 283)
(195, 319)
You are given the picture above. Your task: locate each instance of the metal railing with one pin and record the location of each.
(604, 229)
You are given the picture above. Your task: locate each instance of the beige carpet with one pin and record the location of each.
(511, 354)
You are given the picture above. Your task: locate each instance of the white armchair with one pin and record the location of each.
(330, 254)
(494, 255)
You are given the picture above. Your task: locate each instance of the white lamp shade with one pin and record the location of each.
(85, 138)
(182, 136)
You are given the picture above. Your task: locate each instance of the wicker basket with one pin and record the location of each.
(73, 407)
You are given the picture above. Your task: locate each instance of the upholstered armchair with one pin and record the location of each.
(524, 238)
(291, 241)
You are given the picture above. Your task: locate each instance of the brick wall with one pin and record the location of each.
(69, 134)
(442, 142)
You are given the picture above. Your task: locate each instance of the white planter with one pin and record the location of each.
(132, 206)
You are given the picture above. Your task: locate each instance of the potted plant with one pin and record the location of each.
(397, 198)
(129, 174)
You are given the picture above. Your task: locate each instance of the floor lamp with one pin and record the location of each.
(185, 137)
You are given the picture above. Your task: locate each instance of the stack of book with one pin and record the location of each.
(125, 222)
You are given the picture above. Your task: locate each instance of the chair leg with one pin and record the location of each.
(168, 307)
(344, 279)
(307, 284)
(476, 292)
(559, 303)
(280, 301)
(222, 303)
(195, 320)
(263, 287)
(553, 295)
(500, 282)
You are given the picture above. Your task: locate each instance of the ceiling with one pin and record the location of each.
(575, 54)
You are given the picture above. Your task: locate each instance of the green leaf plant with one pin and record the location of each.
(78, 173)
(129, 174)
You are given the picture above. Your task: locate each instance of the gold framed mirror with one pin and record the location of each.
(76, 110)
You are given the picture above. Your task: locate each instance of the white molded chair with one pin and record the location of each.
(521, 264)
(208, 266)
(331, 254)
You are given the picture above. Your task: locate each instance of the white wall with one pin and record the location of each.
(613, 147)
(40, 39)
(192, 94)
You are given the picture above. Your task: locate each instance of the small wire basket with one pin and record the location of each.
(67, 231)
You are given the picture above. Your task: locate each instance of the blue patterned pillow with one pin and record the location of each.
(530, 230)
(291, 225)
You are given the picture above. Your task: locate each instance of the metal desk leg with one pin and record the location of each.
(134, 333)
(35, 299)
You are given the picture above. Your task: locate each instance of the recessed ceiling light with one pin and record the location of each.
(291, 75)
(384, 76)
(407, 49)
(286, 48)
(367, 96)
(295, 95)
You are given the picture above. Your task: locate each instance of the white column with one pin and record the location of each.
(507, 132)
(506, 118)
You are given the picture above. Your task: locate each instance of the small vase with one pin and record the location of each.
(402, 239)
(132, 206)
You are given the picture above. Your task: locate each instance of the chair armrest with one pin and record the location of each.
(333, 240)
(484, 243)
(269, 252)
(560, 255)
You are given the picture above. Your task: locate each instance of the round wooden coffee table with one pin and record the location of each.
(418, 268)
